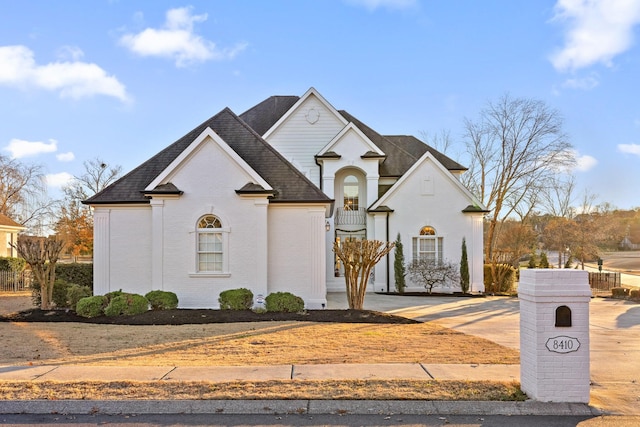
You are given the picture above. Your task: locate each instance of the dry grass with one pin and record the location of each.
(264, 390)
(233, 344)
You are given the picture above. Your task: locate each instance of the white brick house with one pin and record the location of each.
(257, 200)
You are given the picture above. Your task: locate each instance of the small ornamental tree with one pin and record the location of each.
(464, 268)
(359, 257)
(41, 253)
(430, 273)
(544, 262)
(398, 266)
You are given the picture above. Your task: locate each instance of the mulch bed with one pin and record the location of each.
(202, 316)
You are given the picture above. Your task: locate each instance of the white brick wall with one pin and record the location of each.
(546, 375)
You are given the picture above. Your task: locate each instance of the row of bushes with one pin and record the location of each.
(626, 293)
(120, 303)
(242, 299)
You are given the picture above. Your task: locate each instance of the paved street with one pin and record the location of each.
(614, 325)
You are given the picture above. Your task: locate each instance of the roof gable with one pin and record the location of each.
(208, 135)
(384, 199)
(368, 147)
(289, 184)
(303, 99)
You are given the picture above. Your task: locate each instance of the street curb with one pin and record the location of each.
(301, 406)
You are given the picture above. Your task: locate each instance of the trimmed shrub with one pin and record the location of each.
(75, 293)
(634, 294)
(508, 275)
(12, 264)
(236, 299)
(91, 306)
(284, 302)
(620, 292)
(81, 274)
(60, 288)
(162, 300)
(126, 304)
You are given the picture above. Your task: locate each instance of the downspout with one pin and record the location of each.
(388, 276)
(321, 173)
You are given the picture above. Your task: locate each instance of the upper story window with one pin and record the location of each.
(351, 188)
(210, 244)
(427, 245)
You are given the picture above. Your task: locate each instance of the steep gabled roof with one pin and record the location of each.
(417, 148)
(289, 184)
(263, 116)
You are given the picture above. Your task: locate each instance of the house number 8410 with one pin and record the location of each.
(563, 344)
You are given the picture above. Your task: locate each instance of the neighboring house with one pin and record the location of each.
(257, 201)
(9, 230)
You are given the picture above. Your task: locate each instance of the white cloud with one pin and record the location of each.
(629, 148)
(597, 31)
(585, 162)
(176, 40)
(58, 180)
(389, 4)
(65, 157)
(20, 148)
(585, 83)
(70, 79)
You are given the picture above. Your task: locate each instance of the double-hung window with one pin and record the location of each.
(210, 245)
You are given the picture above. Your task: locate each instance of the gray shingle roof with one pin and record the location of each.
(263, 116)
(402, 150)
(290, 185)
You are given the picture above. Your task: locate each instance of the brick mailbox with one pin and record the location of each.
(554, 335)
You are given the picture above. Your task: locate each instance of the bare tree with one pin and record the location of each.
(41, 253)
(75, 221)
(359, 257)
(96, 177)
(557, 196)
(515, 146)
(430, 273)
(23, 192)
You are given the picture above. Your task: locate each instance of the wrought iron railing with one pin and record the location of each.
(351, 216)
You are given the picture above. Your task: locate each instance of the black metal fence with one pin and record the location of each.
(12, 281)
(602, 283)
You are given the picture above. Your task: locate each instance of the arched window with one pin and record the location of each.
(351, 190)
(210, 244)
(427, 245)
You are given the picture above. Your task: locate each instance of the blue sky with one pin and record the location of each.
(121, 80)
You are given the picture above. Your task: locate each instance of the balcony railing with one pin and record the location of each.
(351, 216)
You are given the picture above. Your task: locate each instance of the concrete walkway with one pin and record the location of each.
(402, 371)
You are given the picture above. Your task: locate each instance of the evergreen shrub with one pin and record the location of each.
(126, 304)
(162, 300)
(75, 293)
(81, 274)
(236, 299)
(12, 264)
(91, 306)
(284, 302)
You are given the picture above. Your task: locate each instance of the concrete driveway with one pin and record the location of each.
(614, 335)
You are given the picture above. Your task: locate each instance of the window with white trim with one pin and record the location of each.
(210, 244)
(427, 245)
